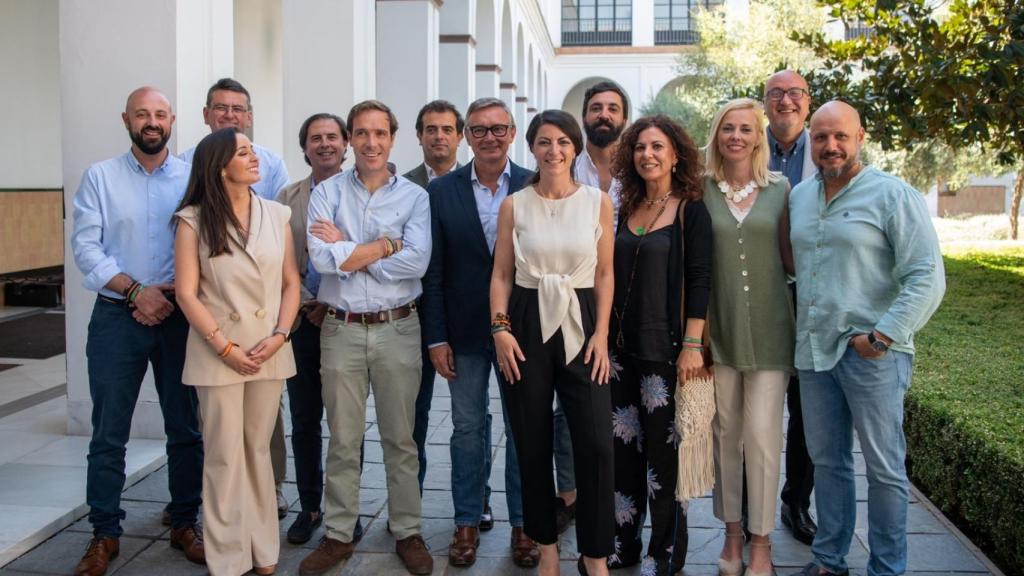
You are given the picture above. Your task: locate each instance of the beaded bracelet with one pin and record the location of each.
(495, 328)
(135, 292)
(692, 340)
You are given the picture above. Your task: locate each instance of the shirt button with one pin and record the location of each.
(743, 256)
(744, 272)
(746, 288)
(261, 313)
(235, 317)
(812, 331)
(740, 240)
(739, 224)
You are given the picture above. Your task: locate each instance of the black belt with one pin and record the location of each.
(366, 318)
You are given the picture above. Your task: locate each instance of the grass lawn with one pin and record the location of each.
(965, 407)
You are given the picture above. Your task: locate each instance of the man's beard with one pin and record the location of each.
(150, 147)
(603, 138)
(841, 170)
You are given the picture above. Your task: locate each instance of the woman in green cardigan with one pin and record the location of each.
(752, 327)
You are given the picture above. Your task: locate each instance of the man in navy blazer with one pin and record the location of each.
(456, 310)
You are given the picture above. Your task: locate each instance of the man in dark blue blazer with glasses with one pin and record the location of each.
(456, 320)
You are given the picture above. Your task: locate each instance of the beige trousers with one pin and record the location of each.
(351, 357)
(748, 428)
(239, 507)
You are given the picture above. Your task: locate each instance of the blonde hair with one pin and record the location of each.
(762, 176)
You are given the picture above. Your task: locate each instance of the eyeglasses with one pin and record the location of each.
(795, 94)
(224, 108)
(498, 130)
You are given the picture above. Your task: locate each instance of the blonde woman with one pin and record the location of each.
(752, 327)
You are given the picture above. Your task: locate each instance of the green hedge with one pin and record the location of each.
(965, 407)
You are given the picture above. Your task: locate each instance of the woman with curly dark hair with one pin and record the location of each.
(662, 269)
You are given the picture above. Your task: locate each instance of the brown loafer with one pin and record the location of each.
(190, 540)
(98, 556)
(326, 556)
(525, 552)
(415, 555)
(462, 550)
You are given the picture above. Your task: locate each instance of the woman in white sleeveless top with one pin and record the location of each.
(550, 330)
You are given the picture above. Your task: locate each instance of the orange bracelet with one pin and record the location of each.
(227, 349)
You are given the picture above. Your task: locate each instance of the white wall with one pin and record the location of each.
(30, 98)
(257, 49)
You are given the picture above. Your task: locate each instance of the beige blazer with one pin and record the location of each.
(242, 290)
(296, 196)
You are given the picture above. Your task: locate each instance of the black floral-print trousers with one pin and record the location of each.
(646, 456)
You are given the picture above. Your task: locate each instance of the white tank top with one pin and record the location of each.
(555, 245)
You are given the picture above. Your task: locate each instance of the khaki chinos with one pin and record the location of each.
(355, 357)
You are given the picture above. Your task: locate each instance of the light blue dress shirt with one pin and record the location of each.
(122, 221)
(488, 204)
(273, 173)
(867, 260)
(789, 163)
(399, 209)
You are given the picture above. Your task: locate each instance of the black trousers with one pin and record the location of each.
(646, 460)
(587, 408)
(796, 492)
(306, 406)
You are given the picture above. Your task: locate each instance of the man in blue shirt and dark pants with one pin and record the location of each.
(123, 243)
(870, 275)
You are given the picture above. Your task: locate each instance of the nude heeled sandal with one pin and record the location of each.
(767, 545)
(731, 567)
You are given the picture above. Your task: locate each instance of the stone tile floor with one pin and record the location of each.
(935, 546)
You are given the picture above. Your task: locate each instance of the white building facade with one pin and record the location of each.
(73, 63)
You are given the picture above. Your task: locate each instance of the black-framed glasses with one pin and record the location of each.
(795, 94)
(224, 108)
(498, 130)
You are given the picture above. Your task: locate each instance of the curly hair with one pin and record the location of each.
(686, 179)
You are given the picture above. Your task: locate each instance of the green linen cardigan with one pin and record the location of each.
(751, 312)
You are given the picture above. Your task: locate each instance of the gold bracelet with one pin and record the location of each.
(212, 333)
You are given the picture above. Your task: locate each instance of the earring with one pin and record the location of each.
(673, 168)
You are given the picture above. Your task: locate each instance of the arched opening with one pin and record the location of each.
(573, 101)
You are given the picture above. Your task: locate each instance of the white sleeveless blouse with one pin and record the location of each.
(555, 245)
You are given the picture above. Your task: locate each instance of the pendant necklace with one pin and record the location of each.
(737, 196)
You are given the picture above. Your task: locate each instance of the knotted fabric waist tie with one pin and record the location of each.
(559, 305)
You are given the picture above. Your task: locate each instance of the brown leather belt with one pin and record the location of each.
(367, 318)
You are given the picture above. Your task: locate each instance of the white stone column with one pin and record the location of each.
(643, 23)
(488, 80)
(328, 64)
(508, 96)
(457, 83)
(258, 68)
(407, 68)
(105, 54)
(522, 151)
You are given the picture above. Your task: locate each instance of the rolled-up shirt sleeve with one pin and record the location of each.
(918, 268)
(91, 257)
(414, 257)
(327, 258)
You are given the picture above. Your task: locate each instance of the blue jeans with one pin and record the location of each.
(565, 470)
(118, 350)
(866, 396)
(470, 443)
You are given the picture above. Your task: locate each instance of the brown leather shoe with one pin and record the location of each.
(190, 540)
(525, 552)
(414, 554)
(98, 556)
(326, 556)
(462, 550)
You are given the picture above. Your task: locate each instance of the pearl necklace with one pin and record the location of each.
(737, 196)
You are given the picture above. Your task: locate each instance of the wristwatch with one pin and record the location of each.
(877, 344)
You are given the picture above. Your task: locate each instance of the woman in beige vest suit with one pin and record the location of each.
(237, 283)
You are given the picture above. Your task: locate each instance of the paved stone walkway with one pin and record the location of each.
(935, 547)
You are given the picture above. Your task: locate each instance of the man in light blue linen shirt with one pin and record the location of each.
(369, 238)
(228, 104)
(870, 276)
(123, 243)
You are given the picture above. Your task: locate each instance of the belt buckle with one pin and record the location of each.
(362, 319)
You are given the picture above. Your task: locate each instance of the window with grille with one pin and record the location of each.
(597, 22)
(675, 21)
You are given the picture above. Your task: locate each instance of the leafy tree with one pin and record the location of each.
(738, 50)
(950, 73)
